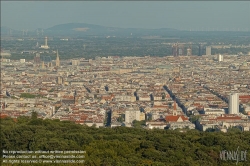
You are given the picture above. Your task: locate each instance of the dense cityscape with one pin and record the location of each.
(178, 91)
(124, 83)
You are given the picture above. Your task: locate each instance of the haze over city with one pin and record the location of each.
(191, 15)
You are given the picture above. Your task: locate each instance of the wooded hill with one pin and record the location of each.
(121, 145)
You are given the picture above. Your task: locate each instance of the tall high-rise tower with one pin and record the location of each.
(180, 50)
(220, 58)
(43, 65)
(200, 50)
(208, 50)
(37, 59)
(57, 59)
(189, 51)
(175, 50)
(234, 103)
(46, 41)
(45, 46)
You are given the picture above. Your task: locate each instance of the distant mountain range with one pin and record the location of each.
(75, 26)
(91, 29)
(82, 29)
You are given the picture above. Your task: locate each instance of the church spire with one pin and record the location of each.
(175, 109)
(175, 105)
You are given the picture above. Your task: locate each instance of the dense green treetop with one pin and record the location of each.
(121, 145)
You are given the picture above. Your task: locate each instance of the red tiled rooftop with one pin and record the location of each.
(173, 118)
(229, 118)
(160, 106)
(244, 97)
(3, 116)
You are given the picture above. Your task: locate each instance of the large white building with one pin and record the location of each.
(220, 58)
(22, 60)
(131, 114)
(208, 50)
(233, 103)
(75, 62)
(213, 111)
(125, 98)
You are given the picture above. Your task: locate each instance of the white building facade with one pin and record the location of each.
(234, 103)
(132, 114)
(208, 50)
(220, 58)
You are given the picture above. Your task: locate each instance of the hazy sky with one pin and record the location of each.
(141, 14)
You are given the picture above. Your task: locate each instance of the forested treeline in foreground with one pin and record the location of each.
(122, 146)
